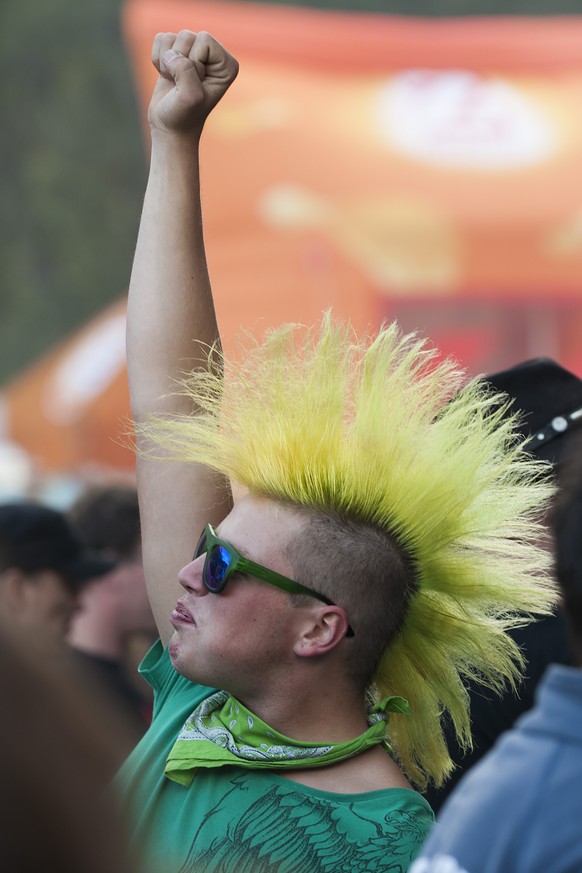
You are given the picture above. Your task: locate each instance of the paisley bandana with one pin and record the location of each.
(221, 731)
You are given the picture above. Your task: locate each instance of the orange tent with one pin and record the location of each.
(70, 409)
(428, 170)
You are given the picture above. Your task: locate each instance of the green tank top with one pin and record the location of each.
(232, 820)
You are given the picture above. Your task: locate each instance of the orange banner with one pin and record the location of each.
(429, 170)
(387, 167)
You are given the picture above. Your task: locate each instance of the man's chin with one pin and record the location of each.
(178, 658)
(174, 651)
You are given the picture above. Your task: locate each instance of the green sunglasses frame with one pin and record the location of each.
(244, 565)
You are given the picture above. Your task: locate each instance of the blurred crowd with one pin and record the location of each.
(75, 622)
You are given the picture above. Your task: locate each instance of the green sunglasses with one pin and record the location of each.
(222, 560)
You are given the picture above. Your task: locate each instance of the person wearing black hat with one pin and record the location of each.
(43, 566)
(549, 400)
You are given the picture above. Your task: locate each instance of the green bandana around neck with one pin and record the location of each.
(222, 731)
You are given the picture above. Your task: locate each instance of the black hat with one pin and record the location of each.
(34, 537)
(549, 400)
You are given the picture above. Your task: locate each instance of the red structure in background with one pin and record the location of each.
(429, 171)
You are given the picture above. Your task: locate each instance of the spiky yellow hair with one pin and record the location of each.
(380, 430)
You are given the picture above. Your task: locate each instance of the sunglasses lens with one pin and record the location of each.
(216, 569)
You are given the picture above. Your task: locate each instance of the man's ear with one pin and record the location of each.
(324, 629)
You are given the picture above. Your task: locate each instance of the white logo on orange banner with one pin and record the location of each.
(464, 120)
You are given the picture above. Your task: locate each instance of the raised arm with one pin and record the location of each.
(170, 304)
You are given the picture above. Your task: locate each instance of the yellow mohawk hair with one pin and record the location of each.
(381, 431)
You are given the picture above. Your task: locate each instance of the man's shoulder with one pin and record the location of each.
(233, 814)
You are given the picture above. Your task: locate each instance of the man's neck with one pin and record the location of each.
(309, 712)
(333, 711)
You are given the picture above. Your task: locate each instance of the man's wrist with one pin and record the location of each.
(175, 141)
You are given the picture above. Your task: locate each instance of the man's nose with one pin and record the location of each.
(190, 576)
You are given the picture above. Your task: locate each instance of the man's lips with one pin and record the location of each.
(181, 615)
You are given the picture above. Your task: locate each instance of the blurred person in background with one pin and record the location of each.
(55, 814)
(519, 810)
(43, 568)
(114, 615)
(549, 401)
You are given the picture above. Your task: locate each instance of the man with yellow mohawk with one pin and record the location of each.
(383, 543)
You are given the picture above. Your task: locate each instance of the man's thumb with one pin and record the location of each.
(176, 63)
(170, 58)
